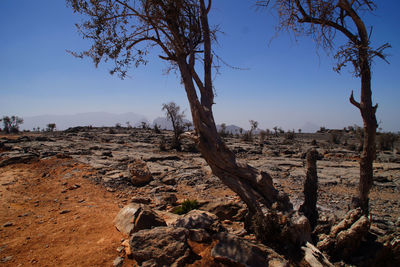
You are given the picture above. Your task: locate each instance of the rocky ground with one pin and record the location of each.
(61, 191)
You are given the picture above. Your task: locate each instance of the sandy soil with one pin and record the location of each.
(51, 216)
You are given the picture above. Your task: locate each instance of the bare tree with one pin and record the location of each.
(11, 124)
(322, 19)
(172, 110)
(51, 127)
(253, 125)
(123, 31)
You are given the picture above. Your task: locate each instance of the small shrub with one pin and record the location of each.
(385, 141)
(334, 138)
(352, 147)
(290, 135)
(186, 206)
(156, 129)
(163, 144)
(262, 136)
(247, 136)
(314, 142)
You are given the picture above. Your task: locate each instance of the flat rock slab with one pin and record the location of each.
(198, 219)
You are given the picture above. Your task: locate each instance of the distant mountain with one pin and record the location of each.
(96, 119)
(230, 129)
(309, 127)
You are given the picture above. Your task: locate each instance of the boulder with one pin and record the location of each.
(139, 173)
(125, 219)
(147, 219)
(232, 250)
(161, 246)
(135, 217)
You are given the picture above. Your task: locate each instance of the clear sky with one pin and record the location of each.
(286, 83)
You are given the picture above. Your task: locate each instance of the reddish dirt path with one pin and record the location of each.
(51, 216)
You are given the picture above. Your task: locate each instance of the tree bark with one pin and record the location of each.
(369, 147)
(309, 207)
(370, 124)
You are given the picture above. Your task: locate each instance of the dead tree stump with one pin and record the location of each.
(309, 207)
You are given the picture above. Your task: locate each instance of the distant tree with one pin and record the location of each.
(253, 125)
(128, 125)
(123, 31)
(11, 124)
(299, 130)
(222, 132)
(118, 125)
(157, 128)
(262, 136)
(188, 125)
(386, 141)
(144, 125)
(323, 19)
(51, 127)
(275, 130)
(173, 113)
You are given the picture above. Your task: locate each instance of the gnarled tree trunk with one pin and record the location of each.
(272, 217)
(367, 111)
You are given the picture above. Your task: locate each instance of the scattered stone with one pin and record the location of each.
(142, 200)
(75, 186)
(139, 173)
(64, 211)
(8, 224)
(118, 261)
(6, 259)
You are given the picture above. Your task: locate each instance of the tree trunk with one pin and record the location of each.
(309, 207)
(370, 124)
(271, 216)
(369, 147)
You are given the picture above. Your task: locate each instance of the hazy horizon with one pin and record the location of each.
(284, 82)
(107, 119)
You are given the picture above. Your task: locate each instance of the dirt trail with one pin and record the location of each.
(51, 216)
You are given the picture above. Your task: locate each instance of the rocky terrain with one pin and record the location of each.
(89, 174)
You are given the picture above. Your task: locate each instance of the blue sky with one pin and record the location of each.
(286, 83)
